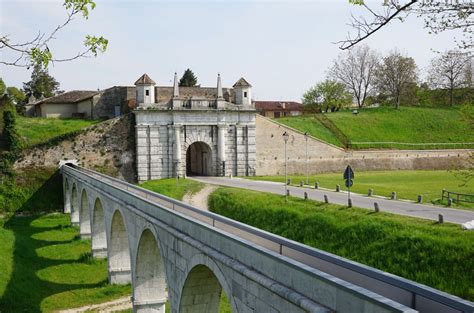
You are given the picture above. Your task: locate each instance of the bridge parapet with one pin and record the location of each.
(258, 271)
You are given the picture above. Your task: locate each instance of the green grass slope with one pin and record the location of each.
(407, 125)
(407, 184)
(173, 188)
(40, 130)
(44, 267)
(438, 255)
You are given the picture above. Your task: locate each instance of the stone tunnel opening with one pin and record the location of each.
(199, 159)
(202, 292)
(119, 252)
(150, 276)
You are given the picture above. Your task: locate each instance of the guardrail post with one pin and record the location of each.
(301, 183)
(450, 201)
(316, 185)
(305, 195)
(289, 181)
(371, 192)
(376, 207)
(440, 218)
(338, 188)
(420, 199)
(288, 192)
(394, 195)
(326, 199)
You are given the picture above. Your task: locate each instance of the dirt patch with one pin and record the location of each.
(199, 199)
(121, 304)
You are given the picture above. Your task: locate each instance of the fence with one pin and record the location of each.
(410, 146)
(457, 197)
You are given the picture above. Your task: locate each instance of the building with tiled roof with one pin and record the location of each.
(276, 109)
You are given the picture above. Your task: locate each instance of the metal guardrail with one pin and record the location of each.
(409, 293)
(457, 197)
(408, 145)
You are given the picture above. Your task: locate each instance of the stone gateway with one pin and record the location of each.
(194, 130)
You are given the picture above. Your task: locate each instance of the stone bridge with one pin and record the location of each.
(174, 254)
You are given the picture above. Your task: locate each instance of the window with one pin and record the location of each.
(245, 94)
(147, 92)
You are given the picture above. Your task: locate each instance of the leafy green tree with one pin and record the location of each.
(35, 51)
(41, 84)
(395, 74)
(3, 87)
(188, 79)
(326, 95)
(17, 95)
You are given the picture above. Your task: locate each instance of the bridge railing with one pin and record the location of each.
(404, 291)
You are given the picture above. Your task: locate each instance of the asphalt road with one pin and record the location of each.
(393, 206)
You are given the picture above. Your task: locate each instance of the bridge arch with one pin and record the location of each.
(67, 197)
(74, 205)
(203, 287)
(84, 216)
(149, 292)
(98, 234)
(119, 251)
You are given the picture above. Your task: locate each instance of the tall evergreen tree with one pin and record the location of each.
(41, 84)
(188, 79)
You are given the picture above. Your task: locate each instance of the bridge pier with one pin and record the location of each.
(99, 253)
(149, 306)
(120, 276)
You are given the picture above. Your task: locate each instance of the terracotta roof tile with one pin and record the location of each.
(145, 80)
(73, 96)
(242, 83)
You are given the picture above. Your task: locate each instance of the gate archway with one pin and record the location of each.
(199, 159)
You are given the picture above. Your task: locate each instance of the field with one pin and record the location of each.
(45, 267)
(407, 125)
(407, 184)
(438, 255)
(40, 130)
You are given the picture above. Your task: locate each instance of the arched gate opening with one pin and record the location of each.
(199, 159)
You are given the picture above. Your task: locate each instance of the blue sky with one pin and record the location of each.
(280, 47)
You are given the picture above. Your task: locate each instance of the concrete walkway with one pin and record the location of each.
(392, 206)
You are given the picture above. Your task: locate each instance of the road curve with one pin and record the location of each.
(406, 208)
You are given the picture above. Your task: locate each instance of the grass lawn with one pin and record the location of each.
(407, 125)
(44, 266)
(438, 255)
(173, 188)
(312, 126)
(407, 184)
(39, 130)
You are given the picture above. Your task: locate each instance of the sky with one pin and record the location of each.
(281, 47)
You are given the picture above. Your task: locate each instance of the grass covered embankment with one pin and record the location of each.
(385, 124)
(438, 255)
(44, 266)
(407, 184)
(173, 188)
(40, 130)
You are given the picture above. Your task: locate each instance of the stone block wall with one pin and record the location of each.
(324, 157)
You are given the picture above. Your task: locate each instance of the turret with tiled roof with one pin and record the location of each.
(145, 80)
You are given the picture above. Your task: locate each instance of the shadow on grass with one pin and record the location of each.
(25, 290)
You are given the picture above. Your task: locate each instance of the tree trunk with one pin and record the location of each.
(397, 105)
(451, 92)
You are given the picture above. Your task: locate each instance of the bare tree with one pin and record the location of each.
(451, 70)
(36, 50)
(355, 69)
(394, 74)
(439, 16)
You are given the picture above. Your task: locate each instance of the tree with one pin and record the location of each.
(355, 69)
(451, 70)
(36, 51)
(395, 74)
(41, 84)
(17, 95)
(439, 16)
(3, 87)
(188, 79)
(326, 95)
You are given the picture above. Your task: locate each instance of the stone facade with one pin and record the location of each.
(198, 133)
(326, 158)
